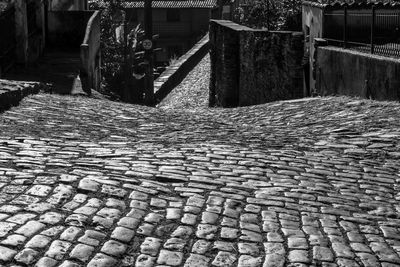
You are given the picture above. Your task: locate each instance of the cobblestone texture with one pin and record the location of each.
(192, 92)
(87, 182)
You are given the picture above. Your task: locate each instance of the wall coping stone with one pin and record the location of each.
(354, 52)
(237, 27)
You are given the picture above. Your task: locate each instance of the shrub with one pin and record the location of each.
(119, 62)
(270, 14)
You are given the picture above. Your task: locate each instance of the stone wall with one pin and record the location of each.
(345, 72)
(12, 92)
(175, 73)
(250, 67)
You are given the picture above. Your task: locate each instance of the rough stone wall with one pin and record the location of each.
(12, 92)
(251, 67)
(346, 72)
(225, 61)
(270, 66)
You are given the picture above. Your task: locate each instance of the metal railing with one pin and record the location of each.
(7, 40)
(372, 30)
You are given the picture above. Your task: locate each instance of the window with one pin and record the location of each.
(173, 15)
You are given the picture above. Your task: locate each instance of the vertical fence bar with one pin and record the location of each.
(372, 29)
(345, 26)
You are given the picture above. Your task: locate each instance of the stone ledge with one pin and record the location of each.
(12, 92)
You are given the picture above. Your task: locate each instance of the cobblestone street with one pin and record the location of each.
(311, 182)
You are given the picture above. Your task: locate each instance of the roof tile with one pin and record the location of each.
(166, 3)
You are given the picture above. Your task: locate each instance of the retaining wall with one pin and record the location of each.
(12, 92)
(250, 67)
(175, 73)
(345, 72)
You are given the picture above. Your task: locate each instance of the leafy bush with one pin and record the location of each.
(270, 14)
(119, 62)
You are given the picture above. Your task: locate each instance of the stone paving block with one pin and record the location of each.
(129, 222)
(30, 228)
(113, 248)
(224, 259)
(248, 248)
(92, 238)
(189, 219)
(101, 260)
(38, 242)
(123, 234)
(6, 254)
(14, 240)
(183, 232)
(68, 263)
(322, 254)
(195, 260)
(51, 218)
(70, 233)
(176, 244)
(201, 246)
(298, 255)
(206, 231)
(46, 262)
(53, 231)
(150, 246)
(5, 228)
(145, 261)
(82, 252)
(249, 261)
(171, 258)
(27, 256)
(21, 218)
(58, 249)
(89, 185)
(39, 190)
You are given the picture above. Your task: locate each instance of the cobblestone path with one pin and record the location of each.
(86, 182)
(192, 92)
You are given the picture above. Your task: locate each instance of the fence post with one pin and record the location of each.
(373, 29)
(345, 27)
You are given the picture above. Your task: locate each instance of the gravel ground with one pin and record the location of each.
(192, 93)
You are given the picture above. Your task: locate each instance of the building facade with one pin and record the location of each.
(357, 25)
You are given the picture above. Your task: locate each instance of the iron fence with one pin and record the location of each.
(7, 40)
(372, 30)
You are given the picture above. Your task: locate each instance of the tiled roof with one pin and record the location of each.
(166, 3)
(389, 4)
